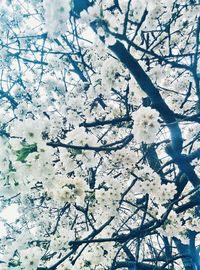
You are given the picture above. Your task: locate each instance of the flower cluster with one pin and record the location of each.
(30, 258)
(111, 72)
(71, 190)
(149, 182)
(61, 238)
(56, 13)
(145, 124)
(173, 226)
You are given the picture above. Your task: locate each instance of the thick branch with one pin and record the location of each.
(148, 87)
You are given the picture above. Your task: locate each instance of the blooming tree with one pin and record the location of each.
(99, 134)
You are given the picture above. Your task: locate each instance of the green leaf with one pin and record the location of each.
(75, 152)
(25, 151)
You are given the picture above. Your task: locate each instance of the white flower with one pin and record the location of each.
(100, 32)
(145, 125)
(136, 94)
(70, 190)
(92, 13)
(61, 239)
(124, 158)
(110, 41)
(89, 159)
(56, 13)
(66, 265)
(30, 258)
(80, 137)
(28, 129)
(173, 226)
(4, 155)
(149, 182)
(108, 199)
(110, 73)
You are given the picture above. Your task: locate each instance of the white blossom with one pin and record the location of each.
(56, 13)
(145, 125)
(30, 258)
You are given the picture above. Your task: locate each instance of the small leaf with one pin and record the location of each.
(25, 151)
